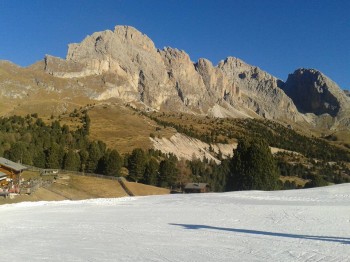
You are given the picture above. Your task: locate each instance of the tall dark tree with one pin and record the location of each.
(151, 172)
(137, 164)
(112, 163)
(95, 155)
(54, 156)
(167, 173)
(39, 158)
(253, 167)
(84, 155)
(71, 161)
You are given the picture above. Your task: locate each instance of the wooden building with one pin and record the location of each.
(196, 188)
(3, 178)
(10, 171)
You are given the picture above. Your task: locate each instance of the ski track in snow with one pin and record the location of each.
(295, 225)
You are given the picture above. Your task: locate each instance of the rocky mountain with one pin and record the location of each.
(168, 79)
(124, 64)
(313, 92)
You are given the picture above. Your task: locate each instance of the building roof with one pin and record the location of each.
(12, 165)
(196, 185)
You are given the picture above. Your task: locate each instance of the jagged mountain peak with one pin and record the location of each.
(168, 79)
(125, 64)
(314, 92)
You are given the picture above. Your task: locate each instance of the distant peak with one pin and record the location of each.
(126, 28)
(307, 70)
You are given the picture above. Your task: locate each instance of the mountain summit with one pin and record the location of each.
(125, 64)
(168, 79)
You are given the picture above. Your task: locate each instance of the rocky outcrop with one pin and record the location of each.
(216, 82)
(126, 65)
(313, 92)
(347, 92)
(168, 79)
(259, 91)
(127, 54)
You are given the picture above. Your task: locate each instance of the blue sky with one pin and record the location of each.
(278, 36)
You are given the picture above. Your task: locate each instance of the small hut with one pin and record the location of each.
(196, 188)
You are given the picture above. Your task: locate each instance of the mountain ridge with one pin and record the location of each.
(125, 64)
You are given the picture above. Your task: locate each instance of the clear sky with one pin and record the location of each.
(278, 36)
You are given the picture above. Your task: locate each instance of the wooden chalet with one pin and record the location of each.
(3, 177)
(197, 188)
(10, 171)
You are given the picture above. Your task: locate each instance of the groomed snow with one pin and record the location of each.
(296, 225)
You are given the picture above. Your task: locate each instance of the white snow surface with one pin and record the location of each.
(295, 225)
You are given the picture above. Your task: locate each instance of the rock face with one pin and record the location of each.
(313, 92)
(259, 91)
(125, 64)
(168, 79)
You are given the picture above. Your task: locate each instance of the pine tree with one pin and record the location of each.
(151, 172)
(137, 164)
(95, 155)
(39, 159)
(71, 161)
(253, 167)
(167, 173)
(54, 156)
(113, 162)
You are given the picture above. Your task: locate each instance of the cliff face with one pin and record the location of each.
(125, 64)
(259, 90)
(313, 92)
(168, 79)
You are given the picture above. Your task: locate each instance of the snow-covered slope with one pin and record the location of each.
(296, 225)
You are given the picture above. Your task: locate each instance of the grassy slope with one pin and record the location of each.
(145, 190)
(122, 128)
(74, 187)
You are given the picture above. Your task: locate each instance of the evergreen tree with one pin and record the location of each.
(39, 159)
(316, 181)
(95, 155)
(253, 167)
(71, 161)
(54, 156)
(151, 172)
(167, 173)
(137, 164)
(84, 155)
(113, 162)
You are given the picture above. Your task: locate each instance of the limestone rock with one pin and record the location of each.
(125, 64)
(313, 92)
(124, 52)
(259, 91)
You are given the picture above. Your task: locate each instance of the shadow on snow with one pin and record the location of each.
(343, 240)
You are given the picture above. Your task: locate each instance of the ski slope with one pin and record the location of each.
(295, 225)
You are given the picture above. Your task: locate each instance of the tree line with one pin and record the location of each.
(32, 142)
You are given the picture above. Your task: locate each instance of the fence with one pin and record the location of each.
(121, 180)
(46, 171)
(33, 185)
